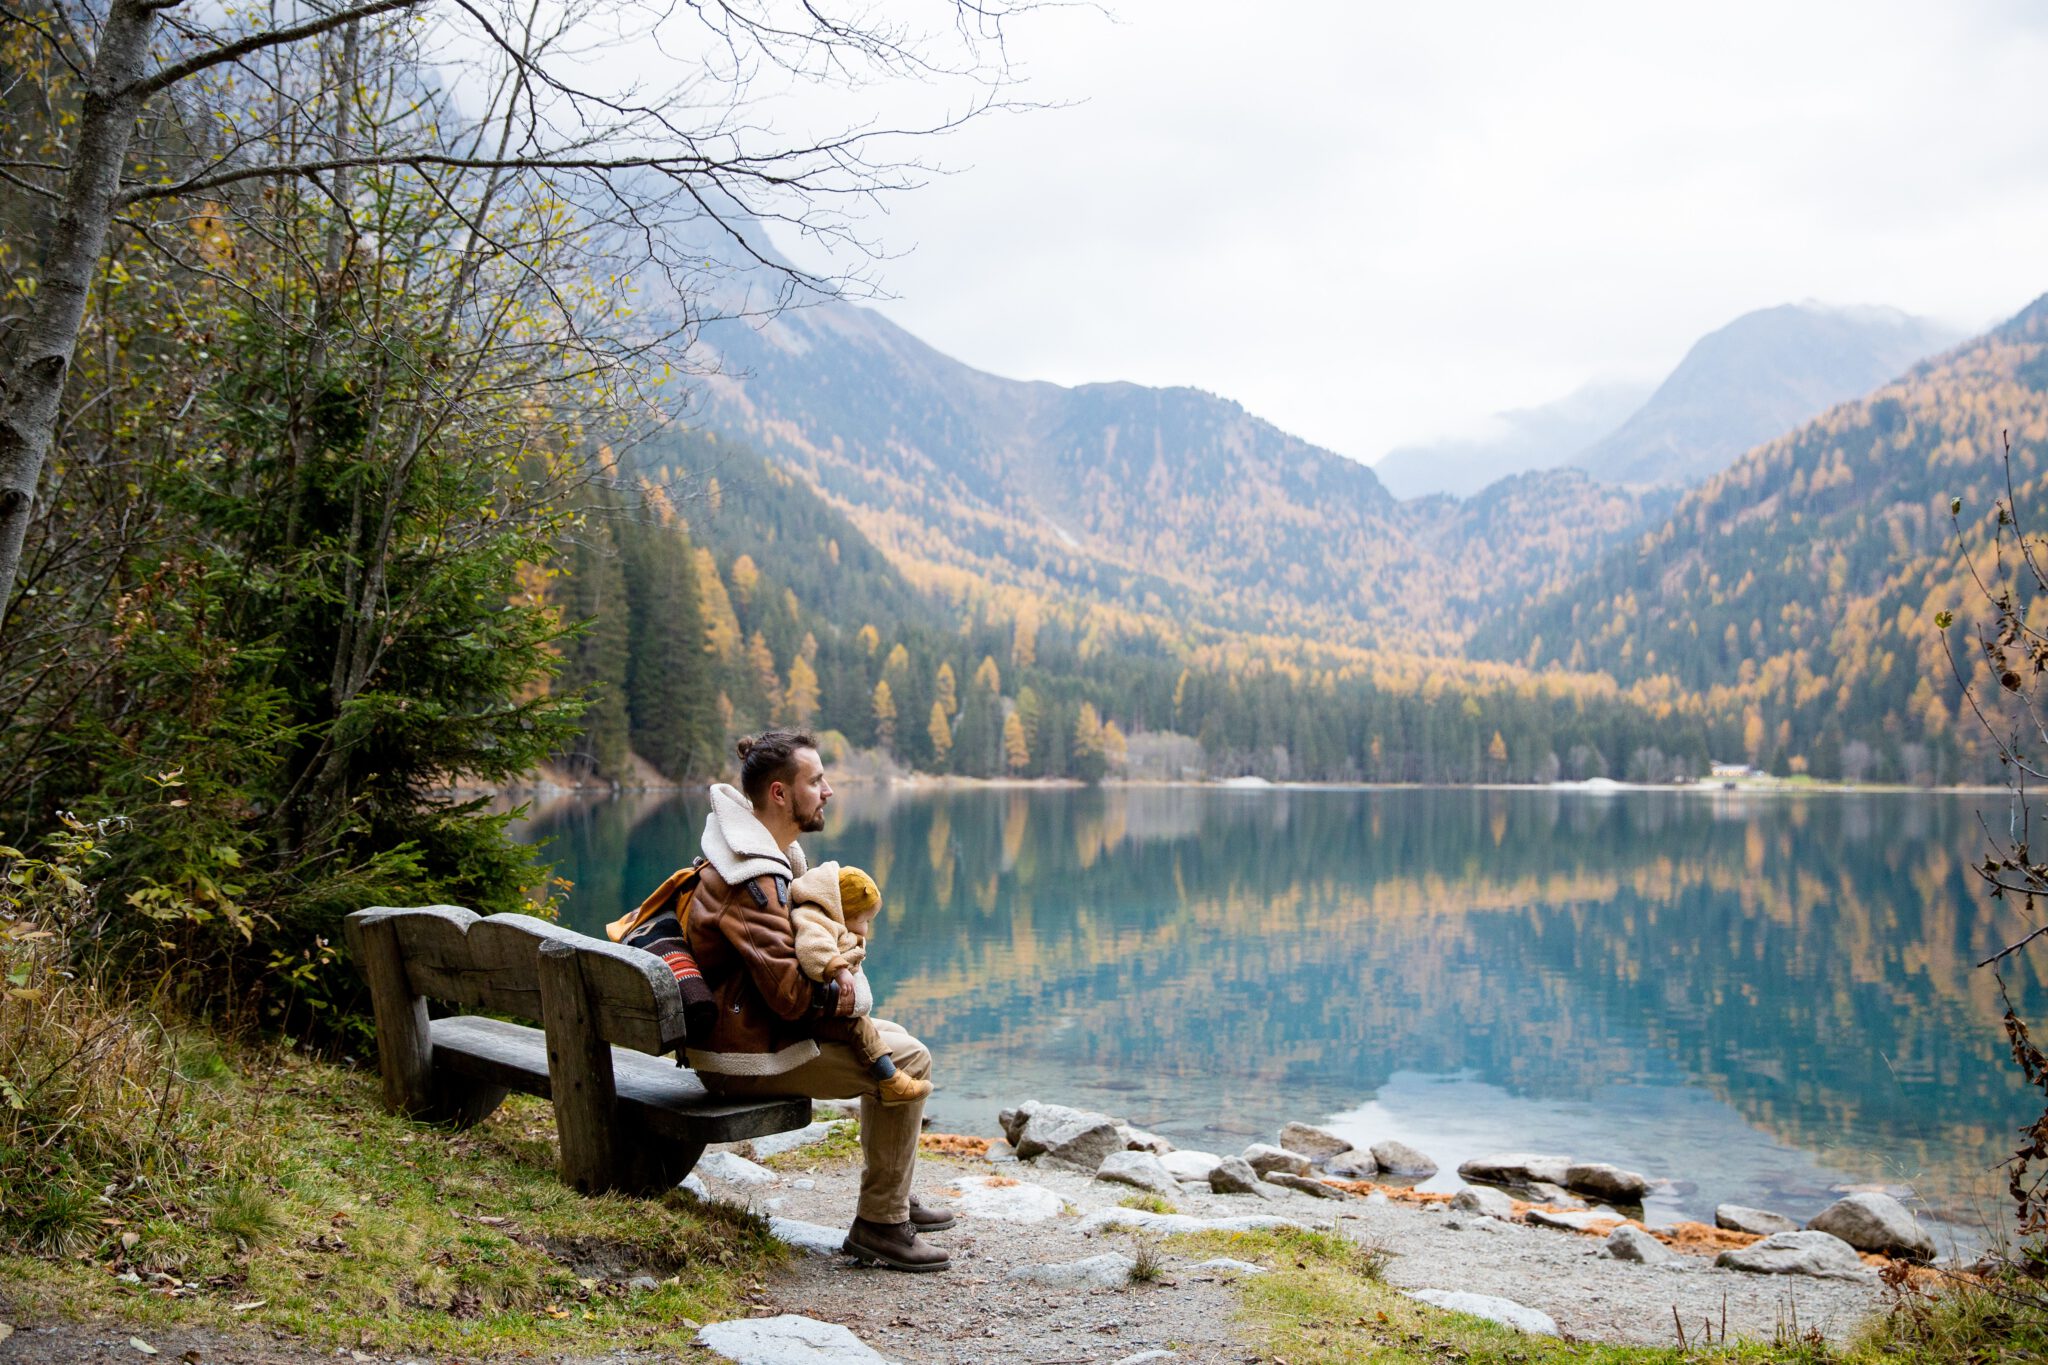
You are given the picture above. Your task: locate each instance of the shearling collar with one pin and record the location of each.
(740, 846)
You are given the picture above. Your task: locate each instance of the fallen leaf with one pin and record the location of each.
(6, 1331)
(139, 1344)
(129, 1239)
(245, 1307)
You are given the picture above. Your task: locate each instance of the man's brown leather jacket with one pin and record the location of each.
(745, 947)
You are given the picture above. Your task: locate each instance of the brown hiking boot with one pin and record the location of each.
(925, 1218)
(904, 1088)
(895, 1245)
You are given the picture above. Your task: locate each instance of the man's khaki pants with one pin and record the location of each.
(888, 1132)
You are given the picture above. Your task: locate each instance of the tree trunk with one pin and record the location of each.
(37, 356)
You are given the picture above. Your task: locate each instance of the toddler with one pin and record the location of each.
(832, 911)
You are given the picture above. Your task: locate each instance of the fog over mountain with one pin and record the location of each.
(1517, 441)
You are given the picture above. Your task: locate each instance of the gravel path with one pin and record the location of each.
(977, 1312)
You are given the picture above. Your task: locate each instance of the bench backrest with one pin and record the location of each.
(492, 963)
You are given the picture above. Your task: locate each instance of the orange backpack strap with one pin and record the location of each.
(672, 892)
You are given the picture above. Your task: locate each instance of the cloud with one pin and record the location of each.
(1373, 222)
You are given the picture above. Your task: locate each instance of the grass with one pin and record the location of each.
(838, 1147)
(1150, 1203)
(299, 1206)
(1324, 1302)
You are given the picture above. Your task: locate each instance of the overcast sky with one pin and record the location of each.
(1373, 223)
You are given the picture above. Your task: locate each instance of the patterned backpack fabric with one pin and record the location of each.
(657, 927)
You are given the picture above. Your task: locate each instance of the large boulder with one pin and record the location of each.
(1878, 1223)
(1004, 1200)
(1311, 1142)
(1480, 1199)
(1630, 1243)
(1183, 1164)
(1141, 1169)
(1234, 1175)
(1609, 1183)
(1078, 1138)
(1352, 1165)
(1761, 1222)
(1516, 1168)
(1266, 1159)
(1797, 1253)
(1398, 1158)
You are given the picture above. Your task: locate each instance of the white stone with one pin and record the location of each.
(1762, 1222)
(1168, 1224)
(694, 1183)
(733, 1170)
(1111, 1270)
(1145, 1357)
(1876, 1222)
(1487, 1306)
(1352, 1165)
(1003, 1200)
(1312, 1142)
(1480, 1199)
(777, 1143)
(786, 1340)
(1188, 1165)
(1516, 1168)
(815, 1238)
(1141, 1169)
(1398, 1158)
(1630, 1243)
(1229, 1265)
(1797, 1253)
(1265, 1158)
(1232, 1176)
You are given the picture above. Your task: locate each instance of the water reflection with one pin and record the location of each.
(1763, 997)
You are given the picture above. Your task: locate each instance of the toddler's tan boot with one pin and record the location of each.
(903, 1088)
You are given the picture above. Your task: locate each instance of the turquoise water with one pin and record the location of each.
(1762, 999)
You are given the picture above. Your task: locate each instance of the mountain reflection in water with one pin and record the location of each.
(1761, 997)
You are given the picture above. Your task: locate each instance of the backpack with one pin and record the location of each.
(647, 929)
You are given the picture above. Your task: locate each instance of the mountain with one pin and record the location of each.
(1799, 586)
(1168, 504)
(1516, 442)
(1761, 375)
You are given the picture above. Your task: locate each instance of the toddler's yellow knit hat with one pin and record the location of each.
(858, 894)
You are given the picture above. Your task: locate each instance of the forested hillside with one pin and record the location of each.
(1172, 504)
(1800, 586)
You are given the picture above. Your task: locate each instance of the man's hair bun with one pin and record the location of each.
(745, 744)
(768, 758)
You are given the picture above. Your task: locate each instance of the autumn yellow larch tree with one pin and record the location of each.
(941, 734)
(884, 706)
(947, 692)
(800, 700)
(1016, 749)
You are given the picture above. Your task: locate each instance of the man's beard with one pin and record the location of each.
(813, 823)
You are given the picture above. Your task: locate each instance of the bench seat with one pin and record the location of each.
(653, 1093)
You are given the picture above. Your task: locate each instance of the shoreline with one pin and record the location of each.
(1774, 787)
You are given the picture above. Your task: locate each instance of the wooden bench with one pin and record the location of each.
(627, 1118)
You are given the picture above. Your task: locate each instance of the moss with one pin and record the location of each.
(345, 1226)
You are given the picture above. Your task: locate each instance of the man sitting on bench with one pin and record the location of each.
(762, 1040)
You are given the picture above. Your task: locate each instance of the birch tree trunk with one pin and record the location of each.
(36, 359)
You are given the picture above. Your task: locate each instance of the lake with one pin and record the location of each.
(1764, 998)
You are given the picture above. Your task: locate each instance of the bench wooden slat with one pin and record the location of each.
(653, 1092)
(457, 956)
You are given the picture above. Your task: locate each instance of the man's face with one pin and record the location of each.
(807, 792)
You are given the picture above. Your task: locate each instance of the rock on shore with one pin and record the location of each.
(1797, 1253)
(1876, 1222)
